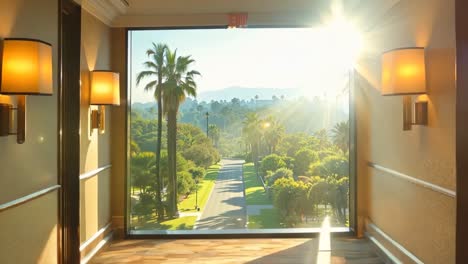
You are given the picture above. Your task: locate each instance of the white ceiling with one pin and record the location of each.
(182, 13)
(178, 7)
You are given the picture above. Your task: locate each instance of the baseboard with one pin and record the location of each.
(389, 249)
(99, 247)
(383, 252)
(118, 227)
(91, 246)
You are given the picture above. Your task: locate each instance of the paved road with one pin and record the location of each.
(225, 208)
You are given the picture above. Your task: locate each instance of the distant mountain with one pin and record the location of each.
(245, 93)
(139, 105)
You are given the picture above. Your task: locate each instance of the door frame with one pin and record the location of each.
(68, 134)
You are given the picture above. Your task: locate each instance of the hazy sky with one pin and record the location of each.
(313, 60)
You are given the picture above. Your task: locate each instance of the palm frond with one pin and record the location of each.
(144, 74)
(150, 86)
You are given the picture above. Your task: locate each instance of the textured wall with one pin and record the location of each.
(94, 147)
(32, 166)
(421, 220)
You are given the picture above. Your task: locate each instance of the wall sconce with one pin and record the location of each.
(105, 90)
(26, 70)
(404, 73)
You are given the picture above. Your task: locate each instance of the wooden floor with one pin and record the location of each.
(252, 251)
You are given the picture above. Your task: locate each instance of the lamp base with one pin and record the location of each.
(5, 119)
(407, 113)
(21, 116)
(98, 119)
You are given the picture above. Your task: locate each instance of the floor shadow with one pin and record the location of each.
(234, 219)
(303, 253)
(355, 251)
(346, 250)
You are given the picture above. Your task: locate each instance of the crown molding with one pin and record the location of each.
(105, 10)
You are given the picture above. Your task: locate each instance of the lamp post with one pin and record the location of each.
(207, 115)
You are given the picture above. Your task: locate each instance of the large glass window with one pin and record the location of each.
(237, 131)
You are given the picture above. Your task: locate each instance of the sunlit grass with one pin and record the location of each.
(182, 223)
(204, 191)
(268, 218)
(254, 192)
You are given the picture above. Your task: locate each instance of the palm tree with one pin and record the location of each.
(213, 131)
(322, 136)
(340, 135)
(252, 133)
(273, 134)
(155, 70)
(180, 84)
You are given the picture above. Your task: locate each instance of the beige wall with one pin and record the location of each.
(29, 231)
(94, 147)
(420, 219)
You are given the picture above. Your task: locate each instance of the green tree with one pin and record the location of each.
(214, 133)
(274, 133)
(322, 137)
(180, 84)
(330, 166)
(340, 135)
(252, 133)
(202, 155)
(185, 183)
(141, 170)
(290, 198)
(197, 173)
(272, 163)
(318, 192)
(303, 158)
(155, 72)
(338, 189)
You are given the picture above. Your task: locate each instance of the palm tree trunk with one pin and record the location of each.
(172, 153)
(159, 207)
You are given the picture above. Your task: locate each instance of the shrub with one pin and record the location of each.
(272, 163)
(145, 205)
(290, 198)
(279, 174)
(185, 183)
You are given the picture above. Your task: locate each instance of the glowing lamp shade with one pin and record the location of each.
(26, 67)
(403, 72)
(105, 88)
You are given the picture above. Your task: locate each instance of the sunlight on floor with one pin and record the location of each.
(324, 252)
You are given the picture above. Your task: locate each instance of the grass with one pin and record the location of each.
(182, 223)
(204, 191)
(268, 218)
(254, 192)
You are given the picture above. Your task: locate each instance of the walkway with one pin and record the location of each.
(225, 208)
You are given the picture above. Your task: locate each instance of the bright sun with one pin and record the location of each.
(340, 41)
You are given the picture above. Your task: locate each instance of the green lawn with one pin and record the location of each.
(204, 191)
(254, 192)
(182, 223)
(268, 218)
